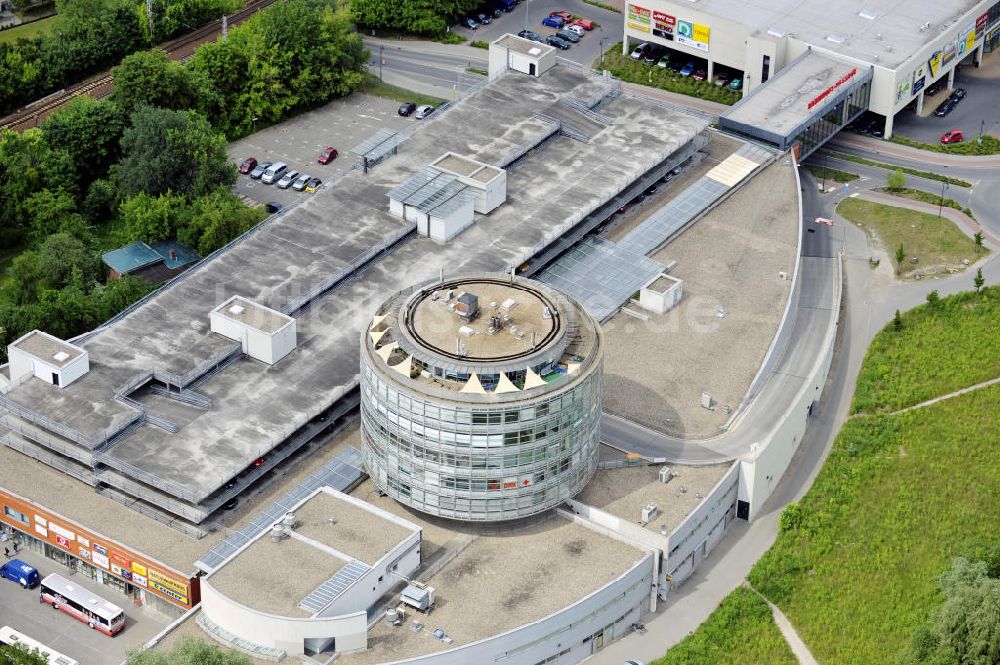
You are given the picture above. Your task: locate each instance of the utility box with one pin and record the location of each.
(264, 333)
(522, 55)
(650, 512)
(661, 294)
(418, 596)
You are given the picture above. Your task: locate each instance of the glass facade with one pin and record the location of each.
(823, 127)
(480, 462)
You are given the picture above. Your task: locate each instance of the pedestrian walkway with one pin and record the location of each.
(927, 157)
(795, 643)
(956, 393)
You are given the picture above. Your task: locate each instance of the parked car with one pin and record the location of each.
(934, 88)
(568, 36)
(528, 34)
(652, 189)
(736, 84)
(957, 95)
(651, 55)
(584, 23)
(231, 504)
(470, 24)
(563, 14)
(575, 29)
(484, 19)
(248, 165)
(640, 50)
(495, 12)
(688, 69)
(423, 111)
(944, 108)
(18, 571)
(558, 42)
(300, 182)
(722, 79)
(258, 170)
(271, 207)
(287, 179)
(407, 108)
(313, 184)
(699, 75)
(664, 62)
(953, 136)
(328, 154)
(273, 172)
(553, 22)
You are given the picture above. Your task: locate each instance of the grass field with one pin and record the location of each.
(373, 86)
(740, 631)
(927, 197)
(932, 240)
(938, 351)
(27, 30)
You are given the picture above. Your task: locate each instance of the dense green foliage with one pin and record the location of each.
(741, 630)
(966, 627)
(188, 651)
(971, 145)
(929, 175)
(942, 348)
(88, 36)
(420, 17)
(637, 71)
(18, 654)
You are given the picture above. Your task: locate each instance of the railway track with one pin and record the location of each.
(99, 86)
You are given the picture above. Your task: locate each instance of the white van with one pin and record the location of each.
(274, 173)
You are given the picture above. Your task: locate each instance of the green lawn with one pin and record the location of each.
(373, 86)
(932, 240)
(740, 631)
(939, 350)
(834, 175)
(27, 30)
(926, 197)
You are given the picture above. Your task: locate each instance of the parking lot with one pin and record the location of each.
(978, 109)
(21, 610)
(610, 26)
(343, 124)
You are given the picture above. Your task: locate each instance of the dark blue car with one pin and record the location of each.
(18, 571)
(553, 21)
(688, 69)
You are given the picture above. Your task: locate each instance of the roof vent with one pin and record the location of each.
(869, 14)
(236, 310)
(60, 356)
(835, 38)
(534, 50)
(776, 32)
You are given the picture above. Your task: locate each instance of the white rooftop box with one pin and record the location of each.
(523, 55)
(489, 182)
(264, 333)
(48, 358)
(661, 293)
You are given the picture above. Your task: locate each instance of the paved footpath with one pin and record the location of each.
(795, 643)
(928, 157)
(941, 398)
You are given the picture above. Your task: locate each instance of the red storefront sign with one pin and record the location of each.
(826, 93)
(63, 542)
(660, 17)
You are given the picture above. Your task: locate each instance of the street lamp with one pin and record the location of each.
(255, 119)
(601, 42)
(381, 61)
(982, 124)
(944, 187)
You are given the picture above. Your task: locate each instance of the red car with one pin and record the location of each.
(328, 155)
(248, 165)
(564, 15)
(953, 136)
(699, 75)
(584, 23)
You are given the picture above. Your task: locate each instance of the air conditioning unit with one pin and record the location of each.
(664, 474)
(649, 512)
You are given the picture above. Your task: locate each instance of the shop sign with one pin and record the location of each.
(966, 38)
(120, 566)
(100, 549)
(918, 84)
(693, 34)
(949, 54)
(83, 541)
(41, 531)
(826, 93)
(138, 568)
(981, 24)
(63, 542)
(65, 533)
(934, 63)
(41, 521)
(664, 25)
(84, 553)
(139, 580)
(638, 18)
(903, 89)
(168, 587)
(100, 559)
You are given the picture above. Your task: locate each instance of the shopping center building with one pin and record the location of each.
(821, 52)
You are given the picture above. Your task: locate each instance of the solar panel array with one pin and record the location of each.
(326, 592)
(339, 473)
(600, 275)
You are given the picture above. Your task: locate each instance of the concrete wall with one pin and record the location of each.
(631, 532)
(702, 529)
(350, 631)
(618, 603)
(383, 576)
(266, 347)
(762, 468)
(446, 228)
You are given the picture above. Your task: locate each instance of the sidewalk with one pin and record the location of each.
(880, 147)
(965, 223)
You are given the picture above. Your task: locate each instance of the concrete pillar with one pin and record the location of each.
(625, 45)
(951, 78)
(711, 71)
(920, 103)
(888, 126)
(978, 58)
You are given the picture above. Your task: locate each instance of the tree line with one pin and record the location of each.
(150, 162)
(429, 18)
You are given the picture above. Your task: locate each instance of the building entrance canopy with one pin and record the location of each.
(806, 103)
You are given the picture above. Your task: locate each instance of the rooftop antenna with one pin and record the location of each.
(512, 274)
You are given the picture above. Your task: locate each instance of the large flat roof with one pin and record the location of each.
(256, 407)
(889, 29)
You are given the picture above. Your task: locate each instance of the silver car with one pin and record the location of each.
(300, 184)
(423, 111)
(287, 179)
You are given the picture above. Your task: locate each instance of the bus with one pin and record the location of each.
(10, 637)
(76, 601)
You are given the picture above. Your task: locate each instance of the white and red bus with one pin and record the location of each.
(11, 637)
(78, 602)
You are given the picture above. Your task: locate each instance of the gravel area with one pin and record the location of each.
(502, 581)
(716, 150)
(625, 492)
(253, 578)
(730, 260)
(355, 531)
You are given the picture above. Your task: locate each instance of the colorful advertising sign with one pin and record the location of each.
(138, 568)
(62, 542)
(639, 18)
(167, 586)
(981, 24)
(839, 82)
(100, 559)
(138, 580)
(934, 63)
(101, 549)
(693, 34)
(84, 553)
(664, 25)
(83, 541)
(966, 38)
(948, 54)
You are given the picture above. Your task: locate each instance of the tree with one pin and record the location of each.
(900, 257)
(188, 651)
(90, 130)
(978, 239)
(979, 280)
(897, 321)
(51, 267)
(421, 17)
(934, 298)
(27, 165)
(217, 219)
(178, 151)
(896, 181)
(151, 78)
(18, 654)
(151, 218)
(54, 212)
